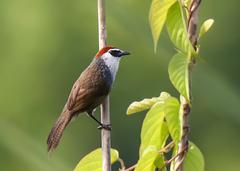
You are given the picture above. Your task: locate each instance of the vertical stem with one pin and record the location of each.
(185, 105)
(106, 136)
(102, 30)
(105, 113)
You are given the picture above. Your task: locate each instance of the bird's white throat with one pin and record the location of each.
(112, 63)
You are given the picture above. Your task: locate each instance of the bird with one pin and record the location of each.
(89, 91)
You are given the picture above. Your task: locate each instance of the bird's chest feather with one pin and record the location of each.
(112, 64)
(105, 73)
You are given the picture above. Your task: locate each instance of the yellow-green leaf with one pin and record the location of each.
(147, 161)
(93, 160)
(194, 159)
(177, 29)
(145, 103)
(157, 17)
(179, 75)
(160, 162)
(141, 105)
(154, 129)
(205, 27)
(187, 3)
(174, 121)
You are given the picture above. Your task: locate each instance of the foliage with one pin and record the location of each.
(194, 159)
(158, 124)
(154, 130)
(177, 29)
(173, 118)
(205, 27)
(157, 17)
(147, 161)
(93, 160)
(178, 74)
(164, 119)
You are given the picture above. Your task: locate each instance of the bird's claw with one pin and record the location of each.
(106, 127)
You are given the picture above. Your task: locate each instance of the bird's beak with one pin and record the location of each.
(124, 53)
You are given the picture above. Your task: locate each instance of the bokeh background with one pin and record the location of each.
(44, 46)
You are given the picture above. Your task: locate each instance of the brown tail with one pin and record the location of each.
(57, 131)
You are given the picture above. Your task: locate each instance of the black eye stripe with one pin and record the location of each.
(115, 52)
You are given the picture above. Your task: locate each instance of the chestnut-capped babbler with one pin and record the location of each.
(89, 91)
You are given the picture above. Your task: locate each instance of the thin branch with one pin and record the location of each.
(167, 148)
(185, 105)
(122, 164)
(174, 157)
(130, 168)
(168, 162)
(105, 113)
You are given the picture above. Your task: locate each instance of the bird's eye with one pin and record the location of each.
(116, 53)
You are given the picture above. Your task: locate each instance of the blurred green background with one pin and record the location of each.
(44, 46)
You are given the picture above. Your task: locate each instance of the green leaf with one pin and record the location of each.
(93, 160)
(160, 162)
(157, 17)
(187, 3)
(145, 104)
(147, 161)
(177, 29)
(154, 129)
(174, 119)
(141, 105)
(179, 75)
(194, 159)
(205, 27)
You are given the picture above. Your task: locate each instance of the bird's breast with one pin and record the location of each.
(106, 74)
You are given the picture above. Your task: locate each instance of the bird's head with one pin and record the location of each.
(111, 51)
(111, 56)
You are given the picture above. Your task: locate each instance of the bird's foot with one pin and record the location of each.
(106, 127)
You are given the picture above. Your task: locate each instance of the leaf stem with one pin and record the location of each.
(122, 164)
(130, 168)
(185, 105)
(168, 162)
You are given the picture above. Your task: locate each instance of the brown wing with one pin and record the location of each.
(73, 95)
(88, 91)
